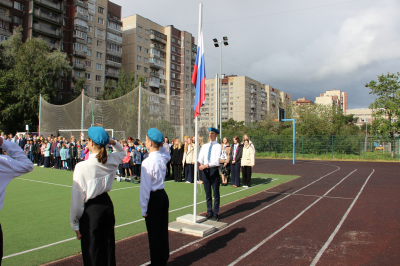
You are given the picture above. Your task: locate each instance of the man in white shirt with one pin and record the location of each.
(14, 164)
(154, 200)
(208, 161)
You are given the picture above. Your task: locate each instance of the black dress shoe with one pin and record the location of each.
(209, 216)
(214, 218)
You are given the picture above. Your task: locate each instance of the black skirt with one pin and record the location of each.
(97, 228)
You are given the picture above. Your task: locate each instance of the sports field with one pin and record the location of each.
(35, 215)
(335, 213)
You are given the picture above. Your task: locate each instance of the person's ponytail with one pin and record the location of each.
(102, 155)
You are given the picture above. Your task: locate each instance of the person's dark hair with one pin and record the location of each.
(237, 139)
(102, 155)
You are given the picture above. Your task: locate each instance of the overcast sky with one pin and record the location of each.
(301, 47)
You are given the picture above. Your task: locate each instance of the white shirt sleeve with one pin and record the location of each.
(78, 196)
(201, 155)
(145, 186)
(165, 154)
(16, 163)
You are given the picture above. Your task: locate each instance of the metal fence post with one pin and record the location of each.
(302, 145)
(275, 146)
(332, 147)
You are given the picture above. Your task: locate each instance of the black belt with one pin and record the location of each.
(158, 190)
(214, 167)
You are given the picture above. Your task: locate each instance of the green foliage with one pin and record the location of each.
(114, 89)
(166, 127)
(28, 70)
(386, 105)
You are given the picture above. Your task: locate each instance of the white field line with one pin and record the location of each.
(241, 219)
(307, 195)
(69, 239)
(316, 259)
(286, 225)
(43, 182)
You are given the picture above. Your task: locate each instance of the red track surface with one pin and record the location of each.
(292, 222)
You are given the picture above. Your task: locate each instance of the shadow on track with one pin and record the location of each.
(207, 248)
(249, 205)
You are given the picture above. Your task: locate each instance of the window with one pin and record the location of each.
(173, 75)
(146, 41)
(173, 48)
(231, 113)
(89, 40)
(98, 78)
(87, 75)
(188, 44)
(80, 22)
(91, 7)
(98, 55)
(139, 58)
(77, 74)
(139, 48)
(231, 103)
(100, 32)
(140, 29)
(173, 57)
(97, 89)
(18, 6)
(139, 39)
(187, 69)
(99, 43)
(138, 67)
(146, 60)
(114, 37)
(145, 69)
(187, 60)
(146, 32)
(100, 10)
(172, 66)
(179, 41)
(17, 20)
(187, 78)
(172, 84)
(231, 83)
(90, 29)
(178, 85)
(80, 34)
(89, 52)
(99, 66)
(173, 39)
(187, 52)
(100, 21)
(88, 63)
(90, 17)
(146, 51)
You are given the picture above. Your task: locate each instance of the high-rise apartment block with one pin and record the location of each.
(334, 98)
(89, 32)
(242, 99)
(165, 57)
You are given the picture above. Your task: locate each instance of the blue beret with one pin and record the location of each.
(98, 135)
(213, 129)
(155, 135)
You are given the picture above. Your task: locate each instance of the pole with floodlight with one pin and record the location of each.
(219, 93)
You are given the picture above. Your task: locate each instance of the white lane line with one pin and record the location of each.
(316, 259)
(286, 225)
(69, 239)
(307, 195)
(43, 182)
(241, 219)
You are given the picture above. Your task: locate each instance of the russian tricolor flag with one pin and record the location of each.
(199, 78)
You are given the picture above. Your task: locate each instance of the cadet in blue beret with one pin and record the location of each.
(154, 200)
(92, 211)
(208, 162)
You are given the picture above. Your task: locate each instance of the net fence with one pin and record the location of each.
(121, 115)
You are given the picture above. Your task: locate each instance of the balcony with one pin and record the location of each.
(110, 74)
(113, 64)
(6, 3)
(5, 33)
(161, 76)
(38, 14)
(114, 53)
(79, 66)
(46, 31)
(5, 18)
(157, 75)
(114, 40)
(81, 28)
(156, 65)
(81, 4)
(52, 45)
(158, 37)
(153, 46)
(154, 84)
(82, 16)
(115, 31)
(50, 5)
(80, 54)
(79, 40)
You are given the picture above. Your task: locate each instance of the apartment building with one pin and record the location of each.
(165, 57)
(302, 101)
(242, 99)
(335, 97)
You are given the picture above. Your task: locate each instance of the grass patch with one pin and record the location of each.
(36, 211)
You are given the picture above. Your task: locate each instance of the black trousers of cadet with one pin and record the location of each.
(189, 172)
(211, 179)
(246, 175)
(157, 227)
(97, 228)
(177, 171)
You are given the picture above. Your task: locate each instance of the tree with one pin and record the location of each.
(35, 70)
(386, 106)
(166, 127)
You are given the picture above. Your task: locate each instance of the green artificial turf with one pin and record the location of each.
(36, 214)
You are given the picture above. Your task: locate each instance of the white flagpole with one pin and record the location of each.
(196, 146)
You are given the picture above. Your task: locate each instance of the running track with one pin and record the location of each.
(336, 213)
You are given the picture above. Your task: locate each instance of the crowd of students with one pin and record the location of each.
(58, 152)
